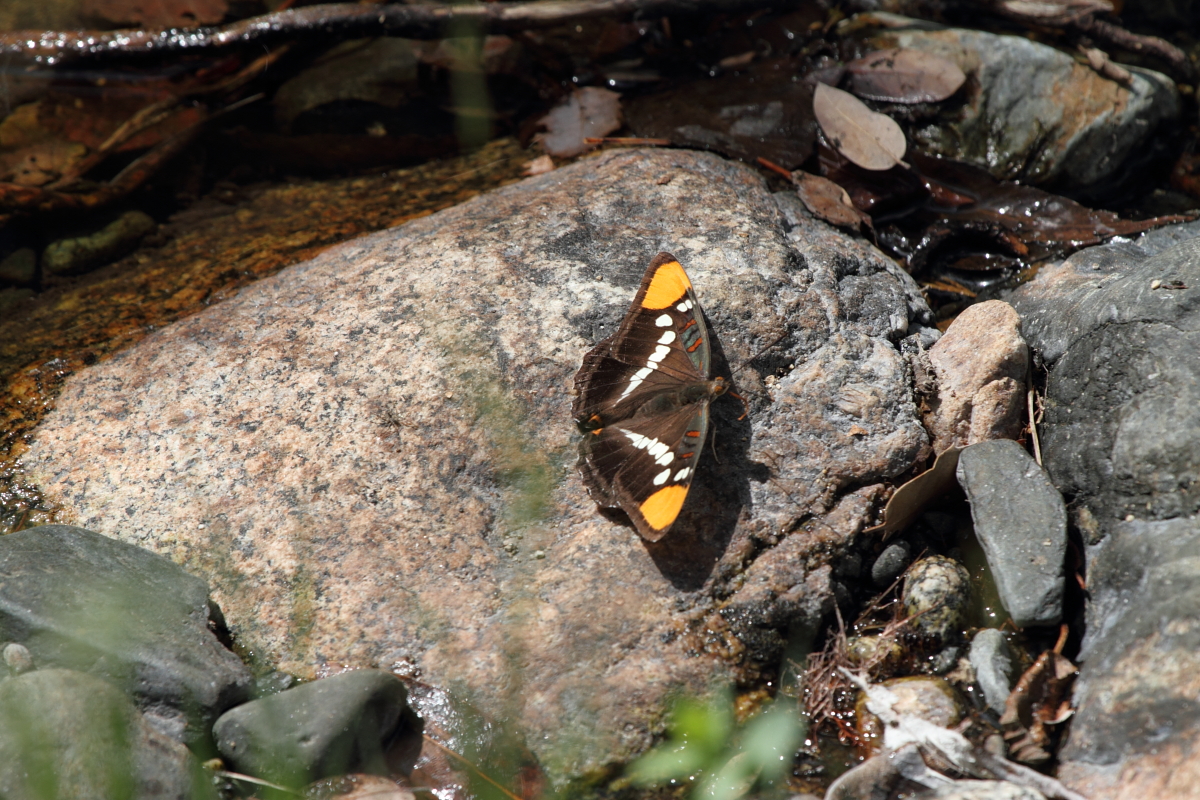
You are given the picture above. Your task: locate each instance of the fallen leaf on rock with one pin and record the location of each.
(587, 112)
(157, 13)
(828, 201)
(1036, 702)
(759, 112)
(901, 75)
(913, 497)
(869, 139)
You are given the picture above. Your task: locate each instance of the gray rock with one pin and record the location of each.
(1137, 720)
(1122, 436)
(938, 589)
(81, 600)
(1122, 423)
(891, 563)
(364, 453)
(17, 658)
(1033, 113)
(1021, 522)
(991, 659)
(67, 734)
(982, 367)
(317, 730)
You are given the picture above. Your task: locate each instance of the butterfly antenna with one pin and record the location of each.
(748, 362)
(752, 358)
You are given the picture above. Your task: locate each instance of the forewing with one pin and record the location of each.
(645, 465)
(661, 344)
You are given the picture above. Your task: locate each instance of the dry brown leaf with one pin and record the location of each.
(867, 138)
(590, 112)
(900, 75)
(1035, 703)
(911, 499)
(827, 200)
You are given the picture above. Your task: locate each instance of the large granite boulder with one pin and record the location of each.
(371, 457)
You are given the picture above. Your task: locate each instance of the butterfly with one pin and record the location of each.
(641, 400)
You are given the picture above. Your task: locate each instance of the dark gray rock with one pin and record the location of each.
(1119, 327)
(1030, 112)
(891, 563)
(328, 727)
(991, 659)
(81, 600)
(1021, 522)
(1137, 721)
(66, 734)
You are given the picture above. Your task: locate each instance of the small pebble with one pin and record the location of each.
(936, 592)
(17, 658)
(890, 563)
(1155, 284)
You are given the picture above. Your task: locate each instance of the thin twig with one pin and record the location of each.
(352, 20)
(474, 768)
(1115, 35)
(1030, 402)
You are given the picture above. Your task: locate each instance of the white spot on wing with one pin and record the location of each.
(637, 379)
(660, 452)
(661, 477)
(664, 321)
(660, 352)
(685, 306)
(667, 337)
(682, 474)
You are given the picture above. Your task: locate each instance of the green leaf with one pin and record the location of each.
(771, 738)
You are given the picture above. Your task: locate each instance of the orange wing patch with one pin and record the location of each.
(661, 508)
(668, 286)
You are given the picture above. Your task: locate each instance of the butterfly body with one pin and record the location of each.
(642, 402)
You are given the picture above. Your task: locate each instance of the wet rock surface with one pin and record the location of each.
(1021, 522)
(991, 658)
(370, 455)
(1030, 112)
(73, 598)
(1118, 326)
(68, 734)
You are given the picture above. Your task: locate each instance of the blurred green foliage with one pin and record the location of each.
(705, 747)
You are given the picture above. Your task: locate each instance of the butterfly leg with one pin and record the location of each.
(745, 405)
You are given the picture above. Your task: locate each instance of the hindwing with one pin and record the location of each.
(645, 465)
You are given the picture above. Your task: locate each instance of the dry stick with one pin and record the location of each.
(345, 20)
(476, 769)
(1117, 36)
(1037, 445)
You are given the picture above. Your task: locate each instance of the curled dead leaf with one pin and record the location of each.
(867, 138)
(828, 201)
(902, 75)
(911, 499)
